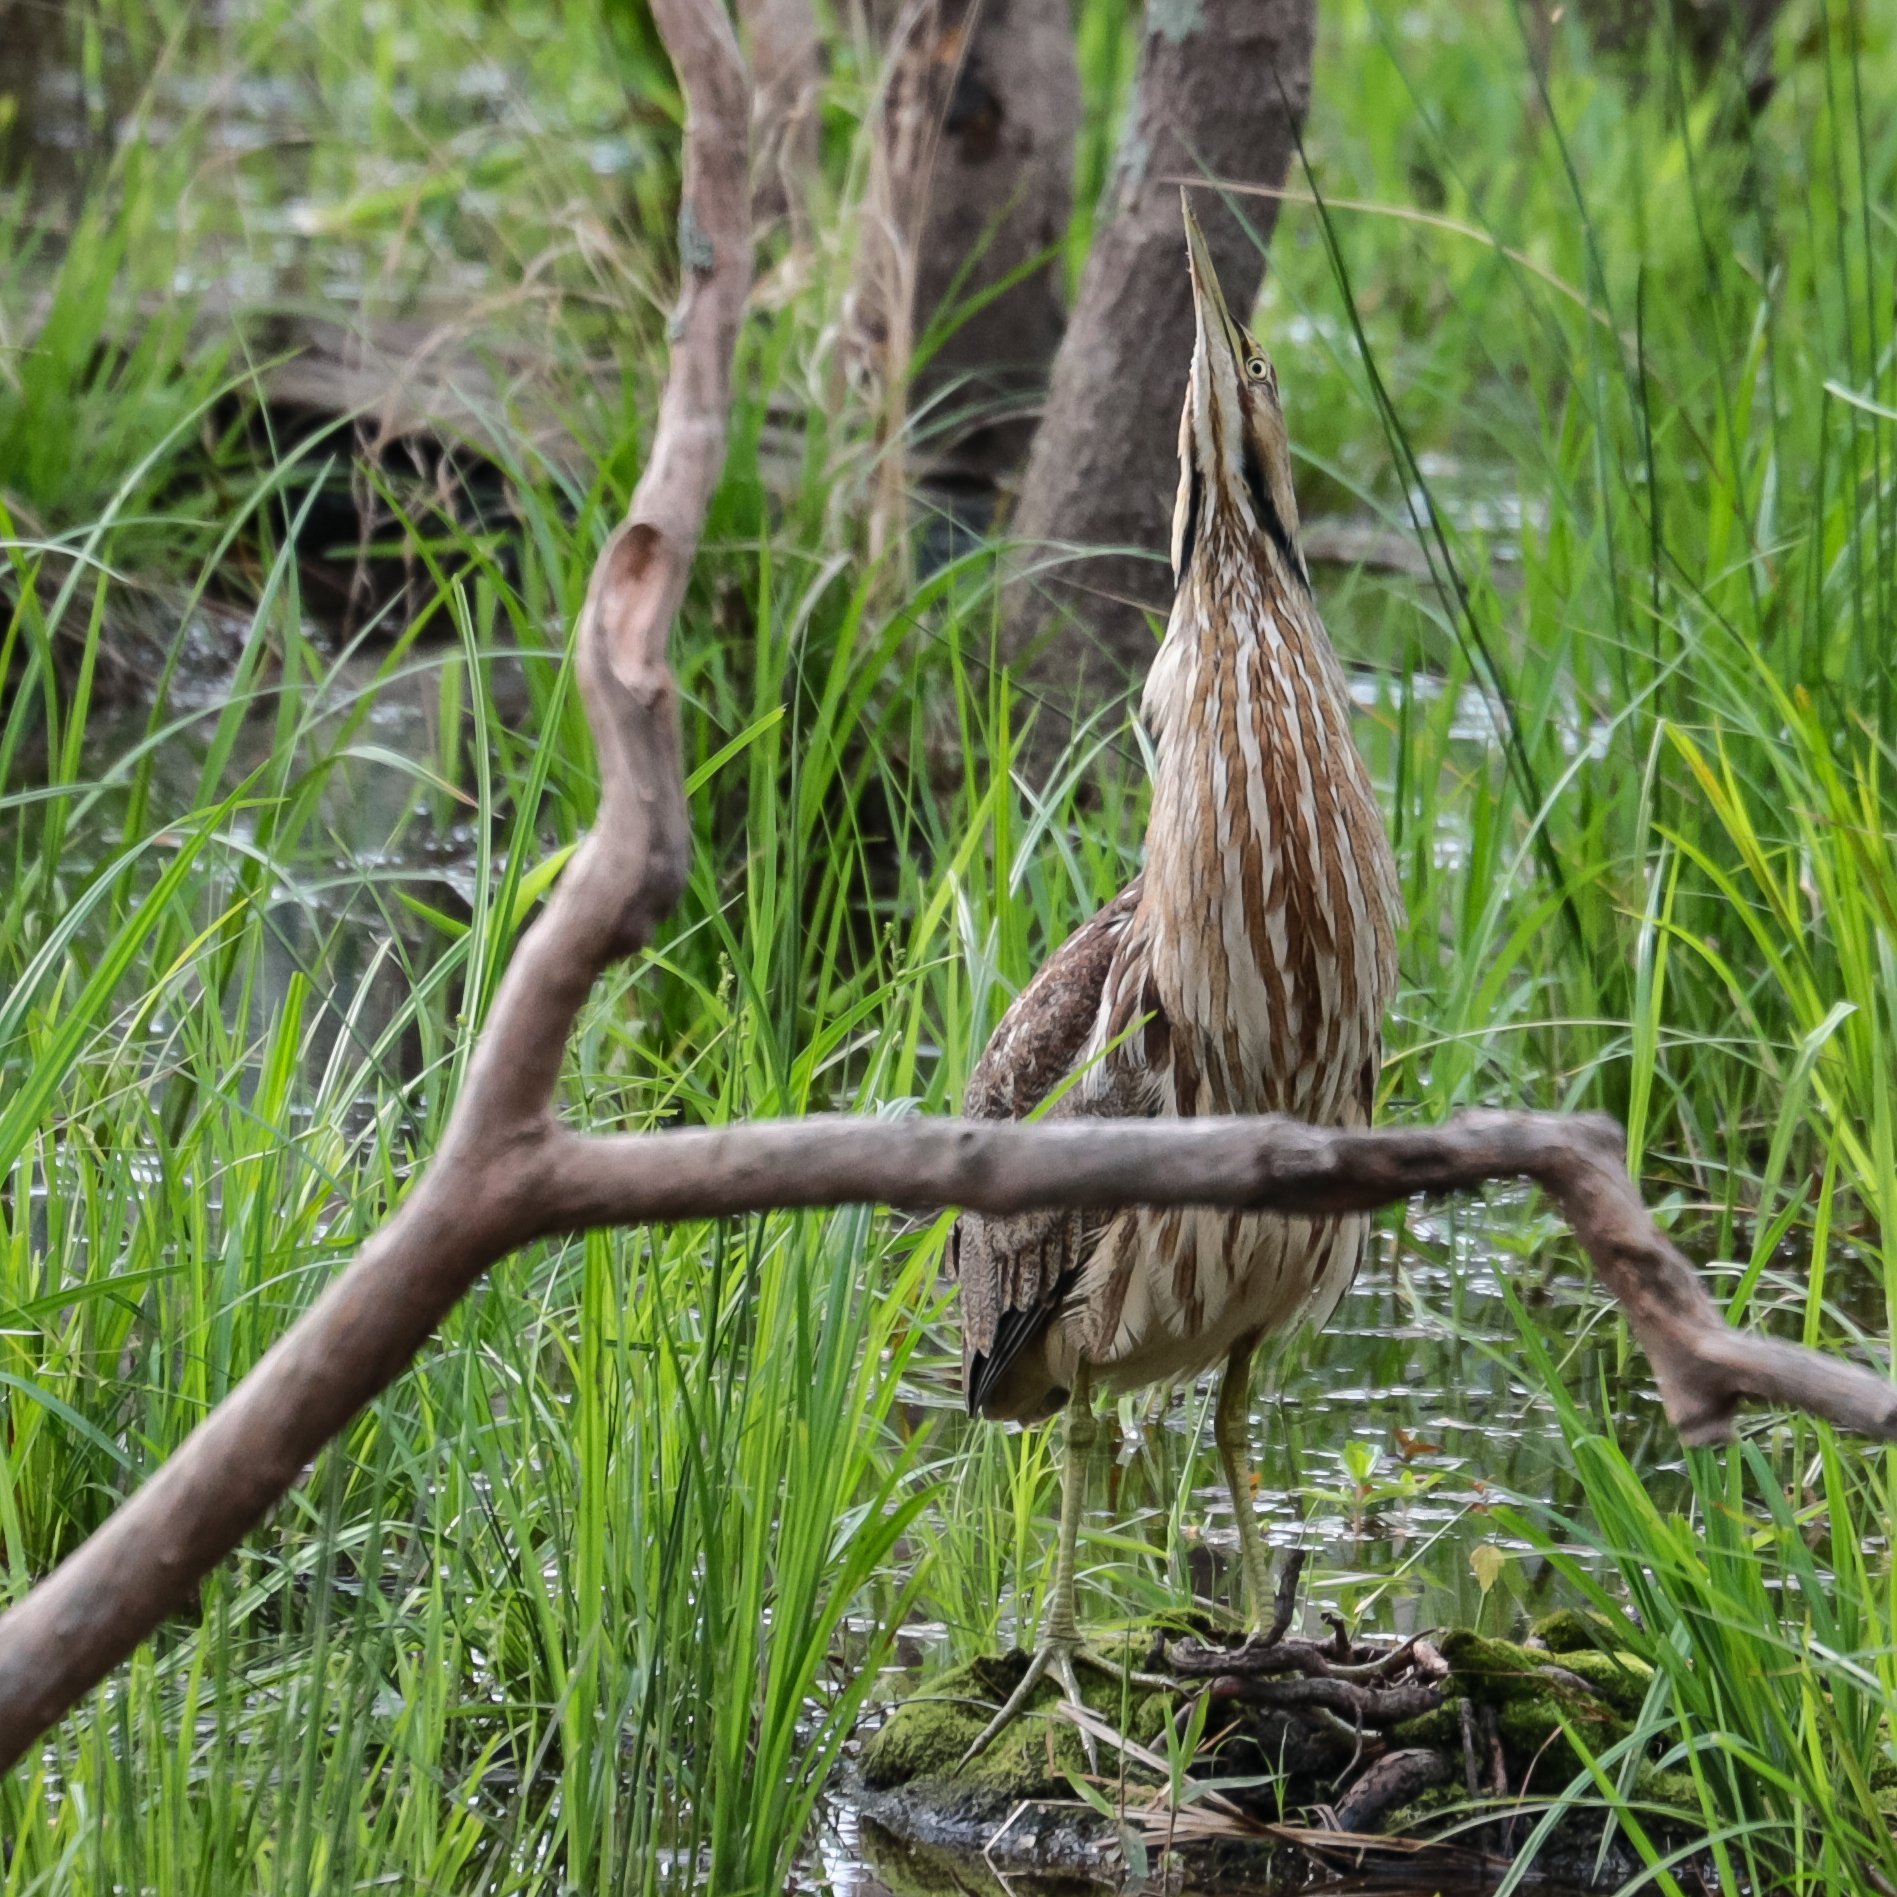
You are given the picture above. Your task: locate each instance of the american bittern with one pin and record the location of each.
(1244, 970)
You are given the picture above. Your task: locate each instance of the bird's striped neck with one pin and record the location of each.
(1268, 874)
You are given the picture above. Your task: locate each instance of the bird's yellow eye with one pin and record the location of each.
(1258, 369)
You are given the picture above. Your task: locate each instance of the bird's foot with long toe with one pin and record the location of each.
(1059, 1656)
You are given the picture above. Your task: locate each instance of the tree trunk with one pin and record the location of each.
(1222, 86)
(786, 59)
(973, 187)
(1706, 29)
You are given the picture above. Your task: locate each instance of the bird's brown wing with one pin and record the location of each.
(1014, 1271)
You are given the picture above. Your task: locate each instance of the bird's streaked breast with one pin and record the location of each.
(1265, 934)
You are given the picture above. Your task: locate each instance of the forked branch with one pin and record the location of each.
(508, 1171)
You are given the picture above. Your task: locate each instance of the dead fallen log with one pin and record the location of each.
(509, 1172)
(1391, 1783)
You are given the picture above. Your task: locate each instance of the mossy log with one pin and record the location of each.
(1541, 1703)
(923, 1740)
(1361, 1738)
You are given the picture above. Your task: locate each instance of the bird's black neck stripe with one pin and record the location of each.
(1268, 516)
(1189, 537)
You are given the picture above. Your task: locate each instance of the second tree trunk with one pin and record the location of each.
(1222, 85)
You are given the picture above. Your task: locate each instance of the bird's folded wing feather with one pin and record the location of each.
(1015, 1270)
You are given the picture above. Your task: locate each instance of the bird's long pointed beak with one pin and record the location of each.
(1216, 330)
(1234, 458)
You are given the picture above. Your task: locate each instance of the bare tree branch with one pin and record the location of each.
(476, 1201)
(508, 1171)
(1703, 1367)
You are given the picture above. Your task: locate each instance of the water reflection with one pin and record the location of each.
(865, 1860)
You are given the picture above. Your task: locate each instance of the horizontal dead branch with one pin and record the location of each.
(1266, 1659)
(537, 1180)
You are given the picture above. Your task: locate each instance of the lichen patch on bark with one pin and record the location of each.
(1175, 20)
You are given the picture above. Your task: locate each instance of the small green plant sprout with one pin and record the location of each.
(1486, 1562)
(1374, 1482)
(1183, 1737)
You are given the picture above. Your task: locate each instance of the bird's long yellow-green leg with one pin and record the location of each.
(1060, 1646)
(1231, 1430)
(1061, 1624)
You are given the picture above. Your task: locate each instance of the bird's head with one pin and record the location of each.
(1234, 453)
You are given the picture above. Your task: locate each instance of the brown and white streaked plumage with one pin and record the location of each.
(1245, 970)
